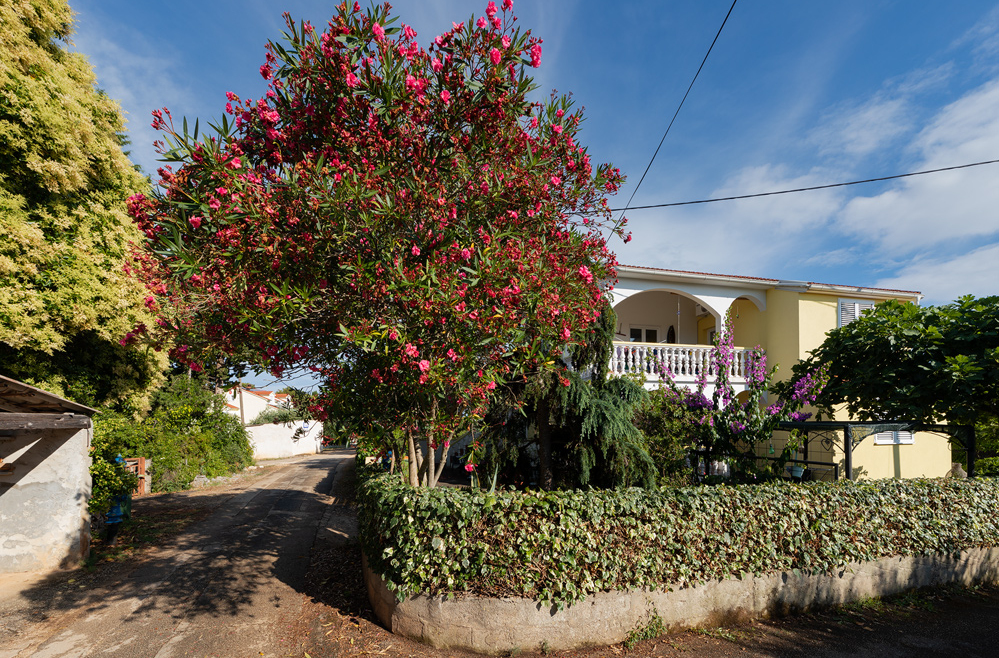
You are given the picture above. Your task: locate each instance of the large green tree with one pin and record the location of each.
(65, 298)
(923, 364)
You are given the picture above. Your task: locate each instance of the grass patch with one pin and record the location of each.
(651, 628)
(866, 604)
(718, 633)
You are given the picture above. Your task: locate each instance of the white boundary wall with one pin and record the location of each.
(277, 440)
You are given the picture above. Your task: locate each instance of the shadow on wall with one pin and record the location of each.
(44, 489)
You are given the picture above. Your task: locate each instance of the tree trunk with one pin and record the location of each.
(424, 461)
(430, 459)
(414, 466)
(443, 462)
(543, 420)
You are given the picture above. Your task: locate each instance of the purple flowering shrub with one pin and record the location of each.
(723, 427)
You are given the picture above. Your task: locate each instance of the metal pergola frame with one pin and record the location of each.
(855, 431)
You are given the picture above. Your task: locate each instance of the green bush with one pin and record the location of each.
(110, 479)
(666, 424)
(184, 442)
(987, 466)
(283, 415)
(561, 546)
(186, 434)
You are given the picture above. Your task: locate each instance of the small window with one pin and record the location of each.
(893, 439)
(671, 335)
(643, 334)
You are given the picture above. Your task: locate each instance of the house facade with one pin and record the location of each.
(248, 403)
(666, 320)
(273, 440)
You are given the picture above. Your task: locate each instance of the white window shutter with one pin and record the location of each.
(847, 312)
(851, 309)
(903, 437)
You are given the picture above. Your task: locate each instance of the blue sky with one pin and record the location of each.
(794, 94)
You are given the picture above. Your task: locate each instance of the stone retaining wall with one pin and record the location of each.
(495, 626)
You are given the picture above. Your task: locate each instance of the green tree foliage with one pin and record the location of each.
(185, 434)
(281, 415)
(924, 364)
(669, 428)
(65, 299)
(582, 422)
(110, 479)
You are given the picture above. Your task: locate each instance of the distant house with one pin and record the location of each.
(273, 440)
(666, 319)
(45, 479)
(248, 403)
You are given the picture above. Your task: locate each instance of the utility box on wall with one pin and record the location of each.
(45, 480)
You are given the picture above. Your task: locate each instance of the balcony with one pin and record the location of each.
(685, 362)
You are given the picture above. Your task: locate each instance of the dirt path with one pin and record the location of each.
(229, 584)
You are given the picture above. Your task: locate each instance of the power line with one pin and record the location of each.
(804, 189)
(710, 48)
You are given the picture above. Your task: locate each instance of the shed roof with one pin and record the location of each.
(18, 397)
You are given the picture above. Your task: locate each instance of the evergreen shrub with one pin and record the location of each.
(561, 546)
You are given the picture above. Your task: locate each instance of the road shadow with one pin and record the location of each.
(233, 560)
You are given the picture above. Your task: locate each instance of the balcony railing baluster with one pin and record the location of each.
(684, 362)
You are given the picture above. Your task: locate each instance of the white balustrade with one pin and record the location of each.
(683, 362)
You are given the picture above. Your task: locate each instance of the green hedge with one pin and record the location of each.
(987, 466)
(560, 547)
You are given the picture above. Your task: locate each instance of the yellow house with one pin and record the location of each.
(666, 320)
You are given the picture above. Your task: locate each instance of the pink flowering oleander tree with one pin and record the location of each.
(723, 427)
(403, 222)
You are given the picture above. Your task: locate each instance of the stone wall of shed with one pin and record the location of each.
(44, 523)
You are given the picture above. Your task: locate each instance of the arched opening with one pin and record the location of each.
(662, 316)
(747, 323)
(668, 333)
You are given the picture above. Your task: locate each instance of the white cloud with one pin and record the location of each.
(856, 129)
(751, 236)
(984, 41)
(140, 81)
(859, 130)
(923, 211)
(945, 279)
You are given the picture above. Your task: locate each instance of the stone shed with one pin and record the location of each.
(44, 479)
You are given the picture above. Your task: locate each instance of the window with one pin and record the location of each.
(850, 310)
(893, 439)
(644, 334)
